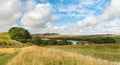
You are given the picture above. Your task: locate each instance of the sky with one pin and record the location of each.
(78, 17)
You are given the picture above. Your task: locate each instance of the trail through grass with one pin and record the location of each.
(35, 55)
(7, 56)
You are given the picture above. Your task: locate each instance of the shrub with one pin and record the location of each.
(82, 42)
(109, 40)
(60, 43)
(52, 42)
(101, 40)
(35, 40)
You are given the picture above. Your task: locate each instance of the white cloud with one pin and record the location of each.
(91, 20)
(39, 21)
(107, 23)
(10, 11)
(113, 10)
(30, 5)
(37, 17)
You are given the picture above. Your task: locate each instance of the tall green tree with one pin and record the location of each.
(19, 34)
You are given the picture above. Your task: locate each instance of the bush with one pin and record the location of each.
(52, 42)
(82, 42)
(69, 43)
(101, 40)
(44, 42)
(22, 40)
(109, 40)
(60, 43)
(35, 40)
(63, 42)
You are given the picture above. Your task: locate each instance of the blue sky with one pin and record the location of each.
(81, 17)
(95, 8)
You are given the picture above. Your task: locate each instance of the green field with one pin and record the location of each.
(94, 54)
(109, 52)
(13, 53)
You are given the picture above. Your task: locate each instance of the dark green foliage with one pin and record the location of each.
(60, 43)
(19, 34)
(69, 43)
(35, 40)
(82, 42)
(52, 42)
(109, 40)
(63, 42)
(45, 42)
(22, 40)
(101, 40)
(96, 40)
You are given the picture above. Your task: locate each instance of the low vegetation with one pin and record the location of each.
(109, 52)
(10, 44)
(57, 49)
(47, 56)
(6, 54)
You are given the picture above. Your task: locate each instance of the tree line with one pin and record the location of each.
(23, 35)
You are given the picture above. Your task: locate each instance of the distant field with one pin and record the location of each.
(109, 52)
(91, 54)
(75, 36)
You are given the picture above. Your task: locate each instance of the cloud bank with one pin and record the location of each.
(97, 17)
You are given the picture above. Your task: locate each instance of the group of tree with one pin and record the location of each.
(101, 40)
(23, 35)
(38, 41)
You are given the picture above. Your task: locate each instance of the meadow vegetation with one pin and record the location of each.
(35, 55)
(6, 54)
(109, 52)
(18, 47)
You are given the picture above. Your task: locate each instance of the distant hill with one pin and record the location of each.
(50, 34)
(75, 36)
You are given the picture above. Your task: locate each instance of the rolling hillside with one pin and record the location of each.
(5, 41)
(4, 35)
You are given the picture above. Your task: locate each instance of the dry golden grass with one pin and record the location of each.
(46, 56)
(7, 50)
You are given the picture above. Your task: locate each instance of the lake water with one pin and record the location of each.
(74, 42)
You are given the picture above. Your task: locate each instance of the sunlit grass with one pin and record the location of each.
(4, 36)
(6, 54)
(47, 56)
(109, 52)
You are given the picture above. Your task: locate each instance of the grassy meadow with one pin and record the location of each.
(13, 53)
(61, 55)
(35, 55)
(109, 52)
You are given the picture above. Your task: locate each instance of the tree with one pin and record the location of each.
(19, 34)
